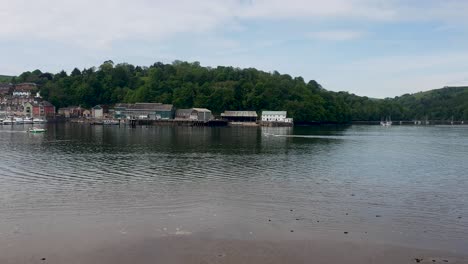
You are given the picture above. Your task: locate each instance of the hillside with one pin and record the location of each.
(439, 104)
(187, 85)
(5, 78)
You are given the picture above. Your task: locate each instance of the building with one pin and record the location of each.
(39, 109)
(195, 114)
(98, 111)
(87, 113)
(71, 111)
(150, 111)
(5, 89)
(240, 116)
(24, 89)
(276, 116)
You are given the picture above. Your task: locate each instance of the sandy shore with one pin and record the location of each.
(189, 249)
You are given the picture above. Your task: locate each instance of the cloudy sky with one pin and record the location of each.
(369, 47)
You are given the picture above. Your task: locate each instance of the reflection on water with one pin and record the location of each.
(400, 185)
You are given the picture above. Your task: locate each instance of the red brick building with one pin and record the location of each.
(44, 109)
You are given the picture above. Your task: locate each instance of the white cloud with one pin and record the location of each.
(98, 23)
(336, 35)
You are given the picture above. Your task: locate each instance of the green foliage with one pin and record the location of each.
(5, 78)
(187, 85)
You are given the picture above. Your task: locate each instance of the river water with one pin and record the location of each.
(78, 187)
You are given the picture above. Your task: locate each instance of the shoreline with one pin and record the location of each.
(187, 249)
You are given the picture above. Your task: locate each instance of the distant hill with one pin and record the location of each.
(188, 84)
(5, 78)
(439, 104)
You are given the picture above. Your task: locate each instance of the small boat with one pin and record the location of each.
(387, 122)
(110, 122)
(36, 130)
(19, 120)
(8, 121)
(27, 120)
(38, 121)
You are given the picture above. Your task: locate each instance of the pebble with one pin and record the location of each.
(418, 260)
(292, 231)
(269, 220)
(346, 213)
(378, 216)
(291, 210)
(43, 259)
(346, 233)
(297, 219)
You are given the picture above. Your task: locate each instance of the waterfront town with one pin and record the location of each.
(22, 104)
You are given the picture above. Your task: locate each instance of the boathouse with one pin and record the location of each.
(98, 111)
(194, 114)
(276, 116)
(240, 116)
(71, 111)
(150, 111)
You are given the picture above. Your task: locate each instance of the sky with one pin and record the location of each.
(371, 48)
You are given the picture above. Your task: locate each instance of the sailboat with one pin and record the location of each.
(387, 122)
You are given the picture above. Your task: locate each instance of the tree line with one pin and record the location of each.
(187, 85)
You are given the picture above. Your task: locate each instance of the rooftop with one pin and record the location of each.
(274, 113)
(146, 106)
(240, 113)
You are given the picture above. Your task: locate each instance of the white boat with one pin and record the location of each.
(27, 120)
(36, 130)
(19, 120)
(8, 121)
(38, 121)
(387, 122)
(110, 122)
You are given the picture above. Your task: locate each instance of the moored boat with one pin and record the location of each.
(110, 122)
(36, 130)
(19, 121)
(27, 120)
(38, 121)
(8, 121)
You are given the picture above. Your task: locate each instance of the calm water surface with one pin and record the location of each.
(81, 186)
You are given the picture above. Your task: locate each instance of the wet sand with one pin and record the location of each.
(190, 249)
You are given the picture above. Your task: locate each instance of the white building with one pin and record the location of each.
(98, 112)
(276, 116)
(22, 93)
